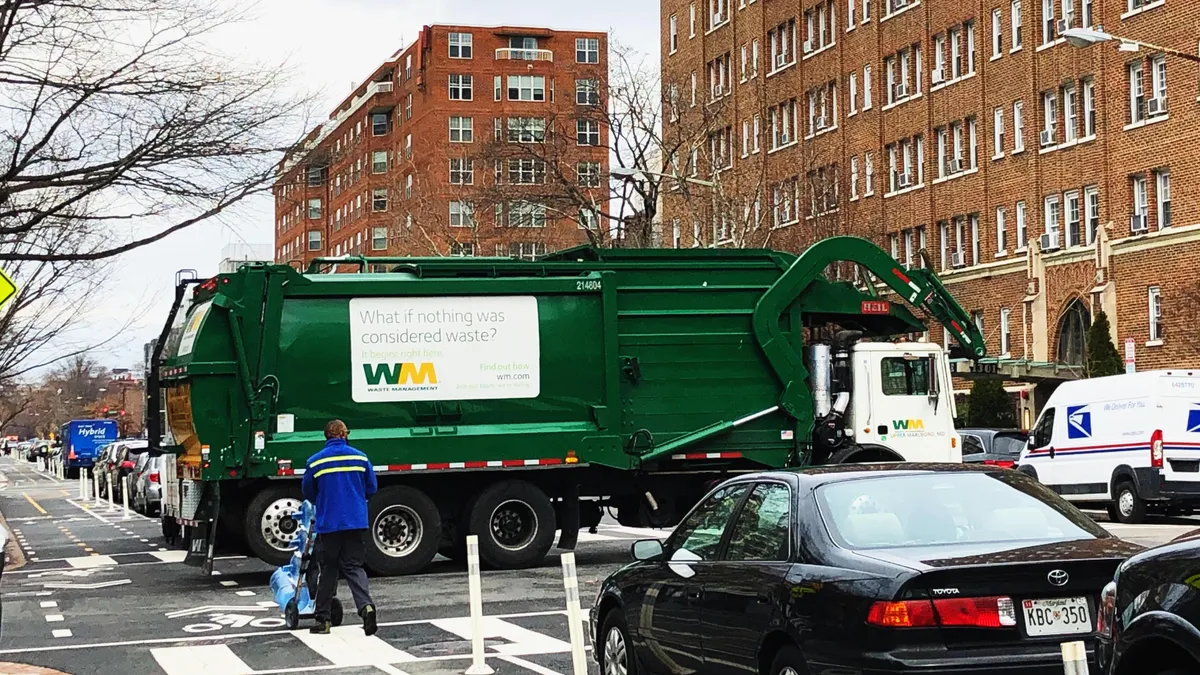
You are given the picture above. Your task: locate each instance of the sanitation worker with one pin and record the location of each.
(338, 481)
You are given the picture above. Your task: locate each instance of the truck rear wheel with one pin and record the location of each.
(405, 530)
(515, 523)
(268, 525)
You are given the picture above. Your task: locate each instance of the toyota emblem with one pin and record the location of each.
(1058, 577)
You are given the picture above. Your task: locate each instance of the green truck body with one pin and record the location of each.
(627, 378)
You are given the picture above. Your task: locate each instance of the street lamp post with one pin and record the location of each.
(1086, 37)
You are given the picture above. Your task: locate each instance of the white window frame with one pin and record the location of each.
(463, 127)
(465, 84)
(1001, 232)
(673, 35)
(1022, 227)
(376, 237)
(1162, 197)
(853, 86)
(866, 87)
(853, 171)
(464, 45)
(1154, 314)
(1073, 219)
(1089, 107)
(1091, 213)
(998, 132)
(868, 175)
(1137, 92)
(997, 34)
(1005, 334)
(1070, 104)
(1018, 126)
(1016, 25)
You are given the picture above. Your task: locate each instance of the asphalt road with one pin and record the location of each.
(100, 594)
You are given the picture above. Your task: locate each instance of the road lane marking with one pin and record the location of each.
(347, 646)
(61, 632)
(200, 660)
(54, 618)
(47, 604)
(529, 665)
(523, 641)
(245, 594)
(169, 556)
(86, 562)
(36, 505)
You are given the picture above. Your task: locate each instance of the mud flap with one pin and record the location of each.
(201, 542)
(570, 518)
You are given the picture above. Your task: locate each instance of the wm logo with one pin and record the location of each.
(400, 373)
(908, 424)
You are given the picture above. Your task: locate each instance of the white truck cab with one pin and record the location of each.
(1128, 442)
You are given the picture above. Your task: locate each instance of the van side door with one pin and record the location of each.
(1040, 454)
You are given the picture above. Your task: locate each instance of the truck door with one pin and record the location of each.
(911, 417)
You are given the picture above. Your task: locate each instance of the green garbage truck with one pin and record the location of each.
(516, 399)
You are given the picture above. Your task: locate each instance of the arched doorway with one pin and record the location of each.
(1072, 333)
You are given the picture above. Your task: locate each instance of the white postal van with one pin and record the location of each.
(1129, 442)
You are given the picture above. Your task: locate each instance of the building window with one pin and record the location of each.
(408, 106)
(314, 240)
(974, 239)
(1089, 108)
(674, 35)
(997, 35)
(526, 171)
(1091, 204)
(1140, 206)
(462, 249)
(970, 28)
(587, 92)
(379, 124)
(526, 214)
(1016, 24)
(1053, 217)
(866, 87)
(1070, 109)
(460, 88)
(379, 161)
(853, 93)
(1049, 22)
(408, 66)
(1018, 126)
(379, 238)
(314, 176)
(1001, 232)
(526, 88)
(1154, 298)
(718, 77)
(1137, 94)
(587, 132)
(462, 129)
(853, 174)
(783, 124)
(462, 214)
(460, 45)
(692, 21)
(956, 56)
(783, 44)
(462, 171)
(868, 175)
(1022, 231)
(588, 173)
(1163, 192)
(314, 209)
(997, 133)
(497, 88)
(379, 200)
(526, 130)
(587, 50)
(1049, 118)
(1074, 207)
(1005, 334)
(1158, 85)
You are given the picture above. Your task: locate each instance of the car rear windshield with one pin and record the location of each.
(948, 508)
(1009, 444)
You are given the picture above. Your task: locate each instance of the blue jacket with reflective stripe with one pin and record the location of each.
(338, 480)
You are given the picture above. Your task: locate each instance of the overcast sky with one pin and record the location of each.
(330, 44)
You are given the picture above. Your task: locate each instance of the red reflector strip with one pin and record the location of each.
(901, 275)
(708, 455)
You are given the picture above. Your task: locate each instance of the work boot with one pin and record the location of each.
(370, 622)
(322, 628)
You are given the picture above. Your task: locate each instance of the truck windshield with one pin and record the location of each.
(905, 377)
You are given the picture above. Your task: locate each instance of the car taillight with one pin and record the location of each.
(1156, 449)
(903, 614)
(1108, 610)
(126, 465)
(990, 612)
(1002, 463)
(154, 477)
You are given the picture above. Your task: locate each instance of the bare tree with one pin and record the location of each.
(122, 126)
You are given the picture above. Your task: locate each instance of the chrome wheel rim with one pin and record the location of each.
(277, 526)
(513, 525)
(788, 670)
(1125, 503)
(397, 531)
(614, 653)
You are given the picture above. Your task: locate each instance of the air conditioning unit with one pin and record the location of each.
(1156, 106)
(718, 19)
(901, 90)
(820, 122)
(1137, 223)
(784, 139)
(902, 180)
(938, 75)
(1047, 138)
(1062, 25)
(1049, 241)
(958, 259)
(898, 4)
(957, 165)
(780, 60)
(717, 90)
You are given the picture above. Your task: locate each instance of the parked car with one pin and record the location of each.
(118, 461)
(997, 447)
(147, 484)
(861, 568)
(1149, 619)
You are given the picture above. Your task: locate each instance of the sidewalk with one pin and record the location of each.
(21, 669)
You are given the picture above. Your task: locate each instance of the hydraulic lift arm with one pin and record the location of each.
(919, 287)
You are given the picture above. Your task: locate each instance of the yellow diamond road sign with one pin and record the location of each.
(8, 287)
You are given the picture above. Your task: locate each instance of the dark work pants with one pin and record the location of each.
(333, 553)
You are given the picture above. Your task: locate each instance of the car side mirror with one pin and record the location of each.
(646, 549)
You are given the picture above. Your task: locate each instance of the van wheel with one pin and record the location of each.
(515, 523)
(1128, 507)
(405, 530)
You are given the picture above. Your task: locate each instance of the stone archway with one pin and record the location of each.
(1073, 326)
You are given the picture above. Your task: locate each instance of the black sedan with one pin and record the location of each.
(897, 568)
(1150, 613)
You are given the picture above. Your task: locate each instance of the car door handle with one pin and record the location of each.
(1051, 451)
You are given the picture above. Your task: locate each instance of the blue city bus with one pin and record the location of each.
(80, 441)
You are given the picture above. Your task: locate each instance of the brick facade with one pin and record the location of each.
(399, 160)
(1082, 181)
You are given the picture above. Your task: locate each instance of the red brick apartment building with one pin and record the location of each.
(1037, 177)
(422, 158)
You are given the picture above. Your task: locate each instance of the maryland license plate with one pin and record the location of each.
(1057, 616)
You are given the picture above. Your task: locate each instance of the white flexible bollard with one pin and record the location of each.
(125, 499)
(574, 618)
(82, 486)
(479, 665)
(96, 487)
(1074, 656)
(112, 493)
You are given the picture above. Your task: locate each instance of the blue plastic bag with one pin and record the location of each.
(283, 579)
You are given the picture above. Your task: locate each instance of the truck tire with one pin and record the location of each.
(404, 532)
(515, 523)
(1129, 508)
(268, 524)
